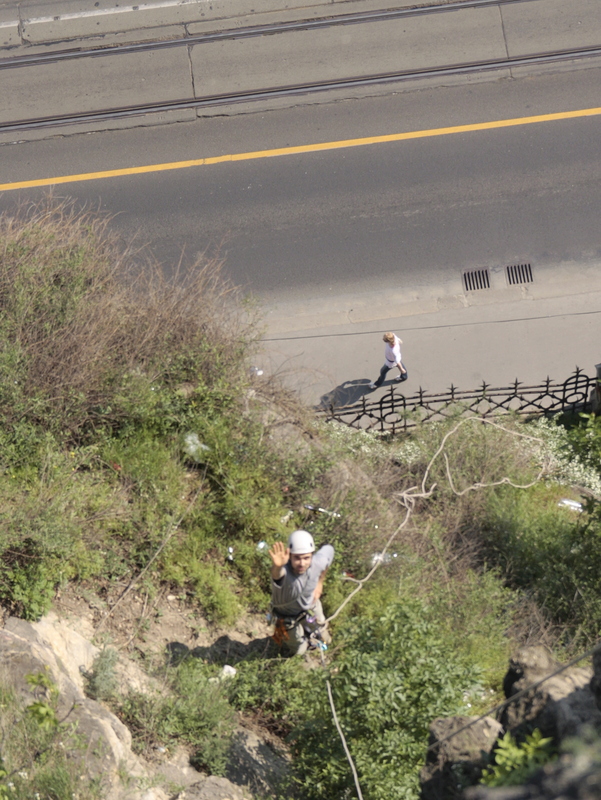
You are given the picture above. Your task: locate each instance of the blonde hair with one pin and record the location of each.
(388, 337)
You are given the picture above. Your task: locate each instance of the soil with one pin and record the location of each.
(142, 626)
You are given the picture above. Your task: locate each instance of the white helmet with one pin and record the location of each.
(301, 542)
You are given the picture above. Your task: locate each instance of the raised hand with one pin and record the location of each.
(280, 555)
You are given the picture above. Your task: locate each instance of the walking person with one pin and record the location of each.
(392, 358)
(297, 576)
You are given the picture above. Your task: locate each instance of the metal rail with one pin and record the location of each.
(241, 33)
(299, 89)
(394, 413)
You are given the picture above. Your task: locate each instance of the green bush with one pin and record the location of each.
(391, 677)
(273, 691)
(192, 710)
(545, 550)
(585, 440)
(101, 681)
(513, 763)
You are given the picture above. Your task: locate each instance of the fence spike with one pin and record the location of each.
(531, 400)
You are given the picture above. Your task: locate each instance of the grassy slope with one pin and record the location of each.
(134, 446)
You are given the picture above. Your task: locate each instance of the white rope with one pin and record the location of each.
(408, 498)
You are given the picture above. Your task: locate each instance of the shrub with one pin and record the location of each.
(392, 677)
(88, 335)
(585, 440)
(273, 691)
(101, 681)
(192, 710)
(545, 550)
(513, 763)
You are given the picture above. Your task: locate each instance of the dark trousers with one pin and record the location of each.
(384, 372)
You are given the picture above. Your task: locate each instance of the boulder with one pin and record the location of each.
(252, 763)
(213, 788)
(458, 761)
(560, 707)
(100, 740)
(103, 742)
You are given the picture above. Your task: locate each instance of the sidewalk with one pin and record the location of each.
(466, 34)
(32, 22)
(497, 343)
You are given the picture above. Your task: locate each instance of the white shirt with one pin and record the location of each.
(392, 353)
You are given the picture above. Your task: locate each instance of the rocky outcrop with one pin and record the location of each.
(103, 742)
(575, 776)
(456, 762)
(106, 752)
(562, 706)
(253, 763)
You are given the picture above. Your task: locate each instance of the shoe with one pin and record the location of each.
(372, 386)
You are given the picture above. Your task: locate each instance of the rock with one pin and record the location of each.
(74, 651)
(177, 771)
(575, 776)
(252, 763)
(106, 753)
(457, 762)
(562, 706)
(103, 744)
(213, 788)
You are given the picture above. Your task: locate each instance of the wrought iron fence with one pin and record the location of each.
(394, 413)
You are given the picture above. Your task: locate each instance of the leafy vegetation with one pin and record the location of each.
(191, 708)
(134, 443)
(36, 745)
(513, 763)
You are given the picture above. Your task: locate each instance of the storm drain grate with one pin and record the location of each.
(519, 273)
(474, 279)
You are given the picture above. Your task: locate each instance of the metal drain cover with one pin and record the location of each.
(474, 279)
(519, 273)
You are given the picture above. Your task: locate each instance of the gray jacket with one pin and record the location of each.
(293, 594)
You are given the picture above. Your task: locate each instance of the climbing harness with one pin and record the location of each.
(312, 629)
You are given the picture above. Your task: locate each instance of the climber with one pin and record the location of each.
(297, 577)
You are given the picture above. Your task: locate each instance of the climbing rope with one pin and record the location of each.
(516, 696)
(408, 499)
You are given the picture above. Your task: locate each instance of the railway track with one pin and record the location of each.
(299, 89)
(245, 33)
(206, 100)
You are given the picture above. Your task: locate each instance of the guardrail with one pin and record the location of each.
(394, 413)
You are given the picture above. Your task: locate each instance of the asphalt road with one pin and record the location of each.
(348, 241)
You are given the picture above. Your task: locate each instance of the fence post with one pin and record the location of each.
(596, 393)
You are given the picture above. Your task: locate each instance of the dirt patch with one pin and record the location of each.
(151, 626)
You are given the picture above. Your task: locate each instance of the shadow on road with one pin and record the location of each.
(350, 392)
(345, 394)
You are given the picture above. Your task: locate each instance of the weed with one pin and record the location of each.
(514, 763)
(101, 680)
(193, 710)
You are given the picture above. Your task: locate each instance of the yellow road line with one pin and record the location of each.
(305, 148)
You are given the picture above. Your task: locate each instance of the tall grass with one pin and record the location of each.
(86, 327)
